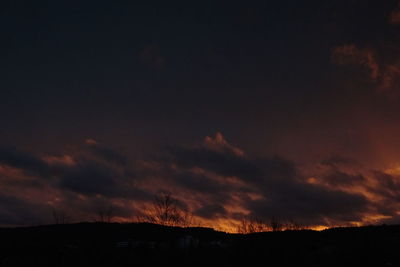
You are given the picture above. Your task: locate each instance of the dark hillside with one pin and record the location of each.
(101, 244)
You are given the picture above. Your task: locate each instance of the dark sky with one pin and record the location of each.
(251, 109)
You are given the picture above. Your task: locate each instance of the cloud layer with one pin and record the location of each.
(217, 181)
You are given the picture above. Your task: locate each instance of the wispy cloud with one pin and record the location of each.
(385, 76)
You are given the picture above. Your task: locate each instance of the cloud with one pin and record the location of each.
(71, 183)
(211, 211)
(89, 178)
(386, 186)
(350, 54)
(390, 78)
(80, 174)
(338, 178)
(199, 182)
(394, 17)
(213, 179)
(311, 204)
(226, 164)
(274, 186)
(106, 153)
(380, 60)
(151, 56)
(90, 141)
(16, 211)
(59, 160)
(385, 75)
(25, 161)
(219, 144)
(337, 160)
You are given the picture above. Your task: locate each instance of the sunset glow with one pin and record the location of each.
(266, 112)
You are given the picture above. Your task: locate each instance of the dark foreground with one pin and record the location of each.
(96, 244)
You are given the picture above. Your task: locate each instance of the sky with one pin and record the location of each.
(259, 109)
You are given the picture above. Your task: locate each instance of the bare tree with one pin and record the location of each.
(105, 214)
(276, 224)
(186, 218)
(60, 216)
(165, 210)
(294, 225)
(254, 225)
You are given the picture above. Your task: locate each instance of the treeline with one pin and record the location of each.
(169, 211)
(163, 210)
(255, 225)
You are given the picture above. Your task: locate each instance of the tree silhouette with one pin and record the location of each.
(105, 214)
(60, 216)
(294, 225)
(165, 210)
(254, 225)
(276, 224)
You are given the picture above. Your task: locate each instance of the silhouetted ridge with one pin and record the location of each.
(145, 244)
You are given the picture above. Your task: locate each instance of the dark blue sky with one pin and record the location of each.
(118, 68)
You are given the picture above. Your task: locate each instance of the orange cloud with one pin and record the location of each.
(350, 54)
(60, 160)
(90, 141)
(390, 78)
(215, 180)
(394, 17)
(385, 75)
(219, 144)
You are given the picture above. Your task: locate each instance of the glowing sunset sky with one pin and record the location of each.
(285, 109)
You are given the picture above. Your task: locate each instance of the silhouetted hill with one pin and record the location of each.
(113, 244)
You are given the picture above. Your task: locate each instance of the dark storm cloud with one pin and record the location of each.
(296, 199)
(108, 154)
(393, 220)
(337, 160)
(309, 203)
(90, 178)
(16, 211)
(255, 171)
(226, 164)
(284, 192)
(210, 175)
(96, 206)
(386, 186)
(25, 161)
(385, 189)
(93, 178)
(338, 178)
(78, 186)
(85, 175)
(199, 183)
(211, 211)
